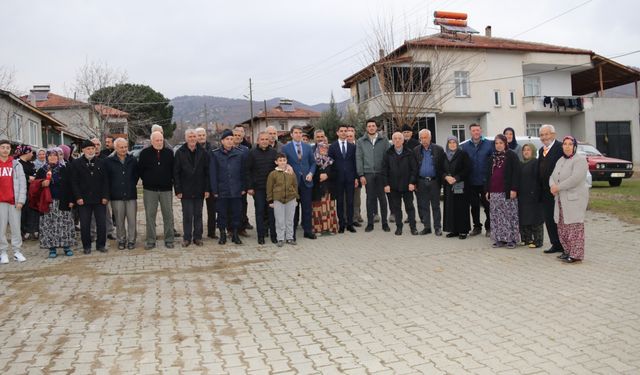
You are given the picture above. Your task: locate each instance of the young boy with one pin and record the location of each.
(13, 194)
(282, 193)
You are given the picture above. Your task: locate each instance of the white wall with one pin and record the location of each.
(7, 131)
(80, 121)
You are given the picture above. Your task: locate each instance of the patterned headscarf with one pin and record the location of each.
(66, 151)
(322, 161)
(22, 150)
(499, 156)
(60, 153)
(533, 152)
(575, 146)
(513, 144)
(449, 152)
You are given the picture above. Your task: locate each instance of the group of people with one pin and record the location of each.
(317, 187)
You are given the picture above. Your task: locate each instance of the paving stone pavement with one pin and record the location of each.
(364, 303)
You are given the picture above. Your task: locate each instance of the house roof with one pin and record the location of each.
(55, 101)
(107, 111)
(465, 42)
(46, 117)
(613, 75)
(277, 113)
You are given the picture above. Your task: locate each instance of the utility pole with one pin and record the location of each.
(206, 117)
(251, 109)
(266, 121)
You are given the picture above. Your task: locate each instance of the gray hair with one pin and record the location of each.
(271, 127)
(318, 131)
(551, 128)
(201, 130)
(423, 131)
(156, 133)
(157, 128)
(120, 140)
(189, 131)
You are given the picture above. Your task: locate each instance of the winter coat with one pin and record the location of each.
(511, 173)
(155, 168)
(369, 156)
(398, 171)
(89, 180)
(227, 172)
(546, 164)
(281, 187)
(191, 172)
(63, 192)
(529, 207)
(123, 177)
(321, 188)
(259, 164)
(570, 177)
(456, 206)
(478, 155)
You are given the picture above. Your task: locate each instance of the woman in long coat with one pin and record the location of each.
(325, 219)
(456, 169)
(568, 185)
(529, 205)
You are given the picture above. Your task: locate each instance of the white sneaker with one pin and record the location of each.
(4, 259)
(18, 257)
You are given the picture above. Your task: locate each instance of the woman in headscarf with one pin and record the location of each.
(456, 169)
(56, 226)
(41, 159)
(569, 187)
(513, 143)
(529, 206)
(502, 193)
(29, 217)
(325, 219)
(66, 153)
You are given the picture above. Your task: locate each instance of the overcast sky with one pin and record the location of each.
(294, 49)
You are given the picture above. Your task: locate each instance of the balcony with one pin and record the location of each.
(560, 105)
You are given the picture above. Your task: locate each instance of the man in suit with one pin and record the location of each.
(548, 156)
(344, 177)
(300, 157)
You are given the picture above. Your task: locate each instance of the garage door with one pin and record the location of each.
(613, 138)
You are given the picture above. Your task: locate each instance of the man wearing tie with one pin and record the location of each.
(344, 177)
(300, 157)
(548, 156)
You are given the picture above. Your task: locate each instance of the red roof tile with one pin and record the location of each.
(110, 111)
(58, 101)
(278, 113)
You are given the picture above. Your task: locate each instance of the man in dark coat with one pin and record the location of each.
(201, 135)
(548, 156)
(429, 157)
(228, 184)
(122, 172)
(344, 178)
(260, 162)
(90, 186)
(399, 171)
(191, 185)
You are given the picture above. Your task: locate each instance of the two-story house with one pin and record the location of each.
(499, 82)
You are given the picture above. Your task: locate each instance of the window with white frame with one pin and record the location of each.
(533, 130)
(459, 132)
(374, 84)
(461, 80)
(33, 133)
(532, 86)
(283, 124)
(496, 98)
(17, 127)
(512, 98)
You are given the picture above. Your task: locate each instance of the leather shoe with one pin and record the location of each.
(451, 235)
(438, 232)
(311, 236)
(356, 224)
(341, 230)
(198, 242)
(168, 245)
(149, 246)
(425, 231)
(351, 229)
(212, 235)
(476, 231)
(563, 256)
(571, 260)
(463, 236)
(385, 227)
(399, 232)
(223, 238)
(261, 241)
(552, 250)
(243, 233)
(369, 228)
(414, 231)
(186, 243)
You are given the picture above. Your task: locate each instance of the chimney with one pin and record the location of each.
(381, 53)
(487, 31)
(39, 93)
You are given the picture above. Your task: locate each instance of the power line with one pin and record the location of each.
(553, 18)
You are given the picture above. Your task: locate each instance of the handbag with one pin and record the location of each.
(458, 187)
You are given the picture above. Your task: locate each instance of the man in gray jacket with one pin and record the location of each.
(370, 149)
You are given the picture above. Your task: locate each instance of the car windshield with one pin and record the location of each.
(588, 150)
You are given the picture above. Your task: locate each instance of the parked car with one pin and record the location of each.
(135, 150)
(603, 168)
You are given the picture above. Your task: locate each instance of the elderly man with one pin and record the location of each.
(260, 162)
(13, 195)
(399, 170)
(192, 185)
(239, 129)
(429, 157)
(110, 227)
(343, 178)
(273, 135)
(122, 172)
(241, 143)
(201, 135)
(409, 141)
(300, 157)
(155, 168)
(548, 156)
(90, 187)
(370, 150)
(479, 150)
(228, 184)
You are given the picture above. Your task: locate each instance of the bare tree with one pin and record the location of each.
(8, 79)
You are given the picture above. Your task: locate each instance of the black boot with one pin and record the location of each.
(236, 238)
(223, 237)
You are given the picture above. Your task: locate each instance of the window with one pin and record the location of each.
(512, 98)
(363, 90)
(531, 86)
(33, 133)
(458, 131)
(283, 124)
(461, 81)
(409, 78)
(374, 84)
(496, 98)
(17, 127)
(533, 130)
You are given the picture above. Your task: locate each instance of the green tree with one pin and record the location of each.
(330, 120)
(144, 105)
(357, 118)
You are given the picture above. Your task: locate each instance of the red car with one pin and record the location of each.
(603, 168)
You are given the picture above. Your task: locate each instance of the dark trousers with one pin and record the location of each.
(428, 194)
(264, 214)
(375, 195)
(231, 207)
(476, 198)
(344, 196)
(245, 219)
(99, 213)
(192, 219)
(211, 215)
(396, 207)
(549, 205)
(305, 207)
(29, 220)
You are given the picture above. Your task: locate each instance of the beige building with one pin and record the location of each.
(283, 117)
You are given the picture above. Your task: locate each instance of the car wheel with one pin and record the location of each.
(615, 182)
